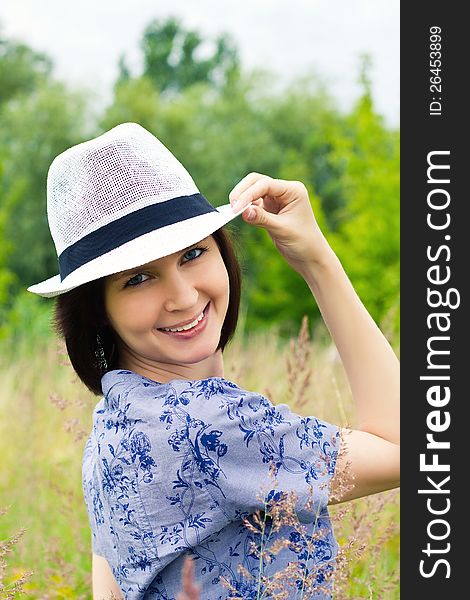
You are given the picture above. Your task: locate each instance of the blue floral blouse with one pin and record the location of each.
(171, 469)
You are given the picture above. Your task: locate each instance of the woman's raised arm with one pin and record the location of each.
(372, 449)
(372, 368)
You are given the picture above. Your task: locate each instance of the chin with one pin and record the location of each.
(195, 357)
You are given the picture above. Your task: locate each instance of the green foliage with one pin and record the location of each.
(21, 69)
(25, 314)
(171, 60)
(221, 123)
(220, 136)
(6, 276)
(368, 237)
(36, 127)
(135, 100)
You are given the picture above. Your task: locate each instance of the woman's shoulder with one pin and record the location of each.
(123, 386)
(121, 380)
(133, 401)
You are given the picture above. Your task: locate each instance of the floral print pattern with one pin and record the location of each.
(171, 469)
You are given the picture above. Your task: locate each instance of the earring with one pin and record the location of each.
(101, 362)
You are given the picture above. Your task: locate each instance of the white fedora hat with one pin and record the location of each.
(119, 201)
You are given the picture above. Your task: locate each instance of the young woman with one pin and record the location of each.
(148, 297)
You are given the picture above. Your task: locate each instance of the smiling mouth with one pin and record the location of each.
(187, 327)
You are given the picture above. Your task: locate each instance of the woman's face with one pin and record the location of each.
(188, 291)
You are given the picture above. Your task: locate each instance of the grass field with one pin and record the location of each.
(45, 418)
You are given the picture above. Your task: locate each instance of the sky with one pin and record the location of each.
(288, 37)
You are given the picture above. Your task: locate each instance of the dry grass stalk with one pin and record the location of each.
(299, 369)
(72, 425)
(280, 513)
(364, 520)
(62, 353)
(58, 401)
(343, 478)
(359, 520)
(63, 403)
(16, 586)
(358, 517)
(60, 575)
(339, 401)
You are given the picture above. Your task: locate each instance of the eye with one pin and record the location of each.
(136, 280)
(194, 253)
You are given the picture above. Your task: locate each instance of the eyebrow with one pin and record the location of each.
(122, 274)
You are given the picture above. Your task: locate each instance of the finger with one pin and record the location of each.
(255, 215)
(265, 186)
(270, 204)
(190, 588)
(243, 185)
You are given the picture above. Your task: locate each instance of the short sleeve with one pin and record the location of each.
(96, 546)
(301, 450)
(231, 438)
(250, 436)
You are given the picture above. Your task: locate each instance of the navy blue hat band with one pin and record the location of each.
(129, 227)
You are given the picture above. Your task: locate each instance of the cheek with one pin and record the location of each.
(110, 307)
(222, 284)
(128, 315)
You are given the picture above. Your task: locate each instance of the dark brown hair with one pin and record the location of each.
(80, 318)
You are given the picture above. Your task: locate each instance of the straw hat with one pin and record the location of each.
(119, 201)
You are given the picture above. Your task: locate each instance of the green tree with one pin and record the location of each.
(172, 58)
(349, 163)
(297, 133)
(36, 127)
(21, 69)
(368, 236)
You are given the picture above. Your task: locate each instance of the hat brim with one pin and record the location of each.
(140, 251)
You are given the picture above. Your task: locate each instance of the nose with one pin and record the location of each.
(180, 293)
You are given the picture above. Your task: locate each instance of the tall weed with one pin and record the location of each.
(45, 417)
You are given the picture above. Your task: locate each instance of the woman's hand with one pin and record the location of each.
(282, 208)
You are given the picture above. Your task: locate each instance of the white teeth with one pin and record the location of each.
(186, 327)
